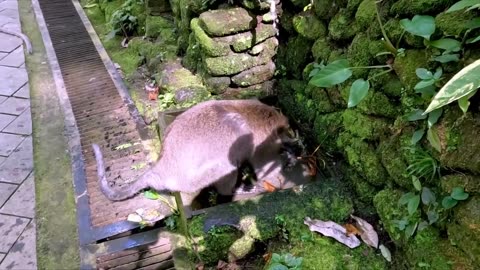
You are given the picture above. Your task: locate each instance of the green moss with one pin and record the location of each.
(387, 83)
(321, 50)
(428, 248)
(155, 24)
(297, 55)
(466, 230)
(244, 41)
(308, 26)
(363, 126)
(300, 3)
(366, 14)
(392, 160)
(208, 45)
(363, 158)
(359, 54)
(342, 26)
(336, 55)
(222, 22)
(363, 189)
(181, 78)
(471, 183)
(414, 7)
(453, 23)
(386, 203)
(109, 7)
(406, 66)
(326, 129)
(377, 103)
(352, 5)
(326, 9)
(286, 21)
(321, 99)
(193, 56)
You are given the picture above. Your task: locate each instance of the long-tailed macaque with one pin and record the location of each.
(205, 146)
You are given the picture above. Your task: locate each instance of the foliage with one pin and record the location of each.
(123, 21)
(423, 165)
(415, 221)
(338, 72)
(166, 100)
(420, 25)
(474, 23)
(281, 223)
(284, 262)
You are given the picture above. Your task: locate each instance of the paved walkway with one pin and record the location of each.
(17, 189)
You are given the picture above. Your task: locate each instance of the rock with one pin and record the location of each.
(238, 62)
(321, 50)
(386, 203)
(406, 66)
(217, 85)
(260, 90)
(296, 55)
(414, 7)
(392, 160)
(326, 9)
(366, 14)
(174, 77)
(209, 46)
(465, 228)
(156, 7)
(223, 22)
(342, 26)
(308, 26)
(244, 41)
(453, 23)
(471, 183)
(190, 94)
(364, 126)
(326, 128)
(255, 75)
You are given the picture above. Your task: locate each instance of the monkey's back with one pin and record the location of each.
(213, 137)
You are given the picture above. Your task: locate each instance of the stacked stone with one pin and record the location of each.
(236, 48)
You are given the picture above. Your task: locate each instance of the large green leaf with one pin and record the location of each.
(427, 196)
(473, 23)
(461, 84)
(449, 202)
(463, 4)
(416, 115)
(445, 58)
(413, 204)
(334, 73)
(447, 44)
(417, 136)
(473, 40)
(433, 117)
(358, 91)
(424, 74)
(420, 25)
(433, 139)
(458, 194)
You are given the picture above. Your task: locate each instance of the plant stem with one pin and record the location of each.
(400, 38)
(371, 67)
(380, 74)
(388, 43)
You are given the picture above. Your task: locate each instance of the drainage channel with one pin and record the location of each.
(101, 116)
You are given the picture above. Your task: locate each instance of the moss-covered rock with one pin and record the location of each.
(363, 158)
(459, 136)
(378, 104)
(342, 26)
(294, 101)
(286, 21)
(255, 5)
(254, 75)
(453, 23)
(406, 66)
(155, 24)
(173, 77)
(387, 83)
(260, 90)
(471, 183)
(222, 22)
(321, 50)
(386, 203)
(326, 128)
(296, 55)
(364, 126)
(217, 85)
(193, 55)
(366, 14)
(209, 46)
(359, 54)
(238, 62)
(392, 160)
(414, 7)
(365, 191)
(308, 26)
(465, 230)
(321, 99)
(246, 40)
(427, 248)
(300, 3)
(326, 9)
(157, 7)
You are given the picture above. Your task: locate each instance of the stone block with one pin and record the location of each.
(19, 164)
(9, 42)
(5, 120)
(14, 59)
(14, 106)
(12, 78)
(217, 85)
(10, 229)
(23, 92)
(255, 75)
(222, 22)
(21, 125)
(6, 191)
(23, 255)
(22, 202)
(8, 143)
(209, 46)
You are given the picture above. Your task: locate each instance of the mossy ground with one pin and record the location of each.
(57, 239)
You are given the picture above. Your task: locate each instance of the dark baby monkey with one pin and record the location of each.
(205, 145)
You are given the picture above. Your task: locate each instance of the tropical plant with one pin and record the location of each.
(284, 262)
(123, 21)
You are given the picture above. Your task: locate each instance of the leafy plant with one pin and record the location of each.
(423, 165)
(281, 223)
(284, 262)
(472, 24)
(462, 86)
(166, 100)
(338, 72)
(429, 80)
(123, 21)
(457, 194)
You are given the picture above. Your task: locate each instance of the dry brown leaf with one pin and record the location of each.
(367, 232)
(351, 229)
(268, 186)
(333, 230)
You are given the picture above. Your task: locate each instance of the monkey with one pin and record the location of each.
(205, 145)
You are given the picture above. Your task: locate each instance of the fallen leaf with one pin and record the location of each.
(367, 232)
(351, 229)
(267, 257)
(268, 186)
(385, 253)
(333, 230)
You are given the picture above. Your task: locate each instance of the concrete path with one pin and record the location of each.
(17, 189)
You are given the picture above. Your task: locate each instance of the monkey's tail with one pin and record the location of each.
(120, 193)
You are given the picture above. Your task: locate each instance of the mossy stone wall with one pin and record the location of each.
(372, 137)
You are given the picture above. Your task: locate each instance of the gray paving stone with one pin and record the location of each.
(2, 255)
(22, 202)
(23, 92)
(3, 98)
(9, 42)
(2, 159)
(8, 143)
(2, 55)
(9, 4)
(22, 125)
(12, 78)
(23, 254)
(15, 106)
(5, 119)
(10, 229)
(6, 191)
(14, 59)
(10, 12)
(19, 164)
